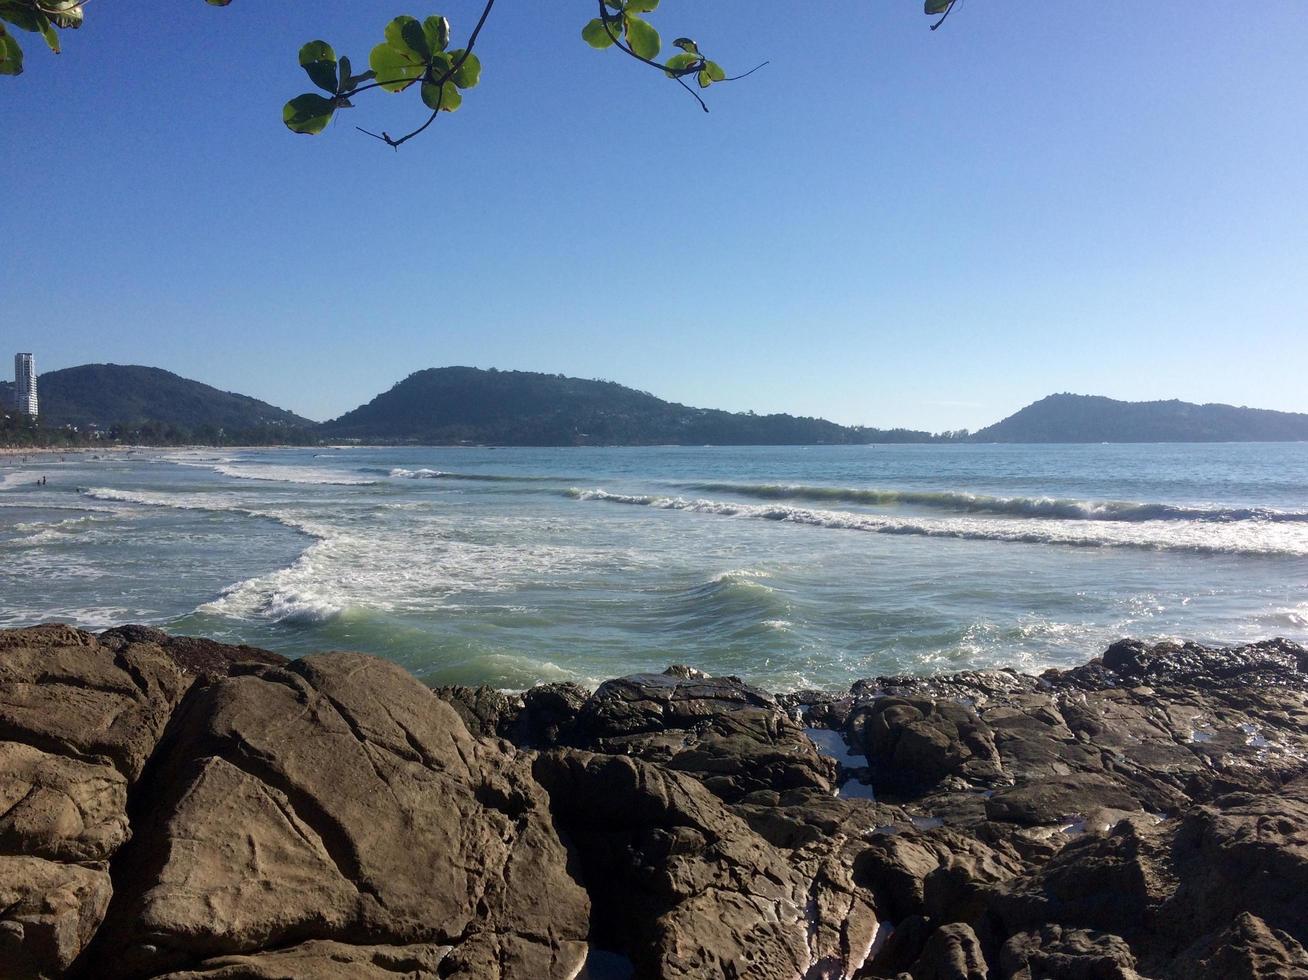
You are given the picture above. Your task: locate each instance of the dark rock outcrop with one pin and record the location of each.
(178, 808)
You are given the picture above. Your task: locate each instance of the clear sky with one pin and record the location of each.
(885, 225)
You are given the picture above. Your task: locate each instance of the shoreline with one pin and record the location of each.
(1142, 814)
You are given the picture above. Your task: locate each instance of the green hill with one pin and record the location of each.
(1091, 418)
(115, 394)
(521, 408)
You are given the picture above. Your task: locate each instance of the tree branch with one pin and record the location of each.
(444, 80)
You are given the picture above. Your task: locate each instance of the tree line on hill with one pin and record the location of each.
(106, 403)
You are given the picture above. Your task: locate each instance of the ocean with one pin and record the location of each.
(793, 567)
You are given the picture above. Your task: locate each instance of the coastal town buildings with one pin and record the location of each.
(25, 401)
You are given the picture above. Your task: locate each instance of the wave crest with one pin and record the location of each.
(1234, 538)
(973, 503)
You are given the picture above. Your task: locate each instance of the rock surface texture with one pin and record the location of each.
(177, 808)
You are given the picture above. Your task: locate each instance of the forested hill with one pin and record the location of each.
(1091, 418)
(521, 408)
(115, 394)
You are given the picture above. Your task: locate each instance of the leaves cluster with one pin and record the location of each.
(39, 17)
(621, 24)
(413, 52)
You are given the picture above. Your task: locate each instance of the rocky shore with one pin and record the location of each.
(178, 808)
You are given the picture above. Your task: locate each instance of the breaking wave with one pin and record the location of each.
(1234, 538)
(290, 474)
(973, 503)
(400, 473)
(273, 597)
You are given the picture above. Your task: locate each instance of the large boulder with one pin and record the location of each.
(337, 799)
(78, 720)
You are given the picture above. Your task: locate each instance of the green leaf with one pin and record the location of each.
(23, 16)
(679, 63)
(934, 7)
(396, 70)
(597, 35)
(64, 14)
(715, 71)
(686, 44)
(641, 6)
(437, 31)
(11, 54)
(642, 37)
(319, 62)
(346, 83)
(442, 98)
(308, 114)
(406, 34)
(469, 73)
(51, 38)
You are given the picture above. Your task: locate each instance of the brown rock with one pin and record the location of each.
(1248, 949)
(196, 656)
(1069, 954)
(338, 799)
(55, 807)
(734, 738)
(323, 960)
(62, 692)
(952, 952)
(686, 889)
(914, 743)
(48, 913)
(77, 723)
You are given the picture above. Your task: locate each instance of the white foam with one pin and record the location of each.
(269, 473)
(1238, 538)
(11, 481)
(379, 564)
(1043, 506)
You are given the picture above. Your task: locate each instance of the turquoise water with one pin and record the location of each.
(790, 566)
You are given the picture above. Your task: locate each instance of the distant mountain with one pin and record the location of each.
(1091, 418)
(521, 408)
(112, 394)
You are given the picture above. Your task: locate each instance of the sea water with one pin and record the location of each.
(793, 567)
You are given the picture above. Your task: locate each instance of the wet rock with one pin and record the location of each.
(1069, 954)
(1270, 663)
(899, 866)
(548, 716)
(917, 743)
(734, 738)
(684, 887)
(1248, 949)
(484, 710)
(1057, 799)
(899, 950)
(952, 952)
(970, 686)
(322, 960)
(196, 656)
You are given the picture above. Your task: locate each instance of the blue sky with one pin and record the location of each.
(885, 225)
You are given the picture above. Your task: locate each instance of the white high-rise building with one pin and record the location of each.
(25, 384)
